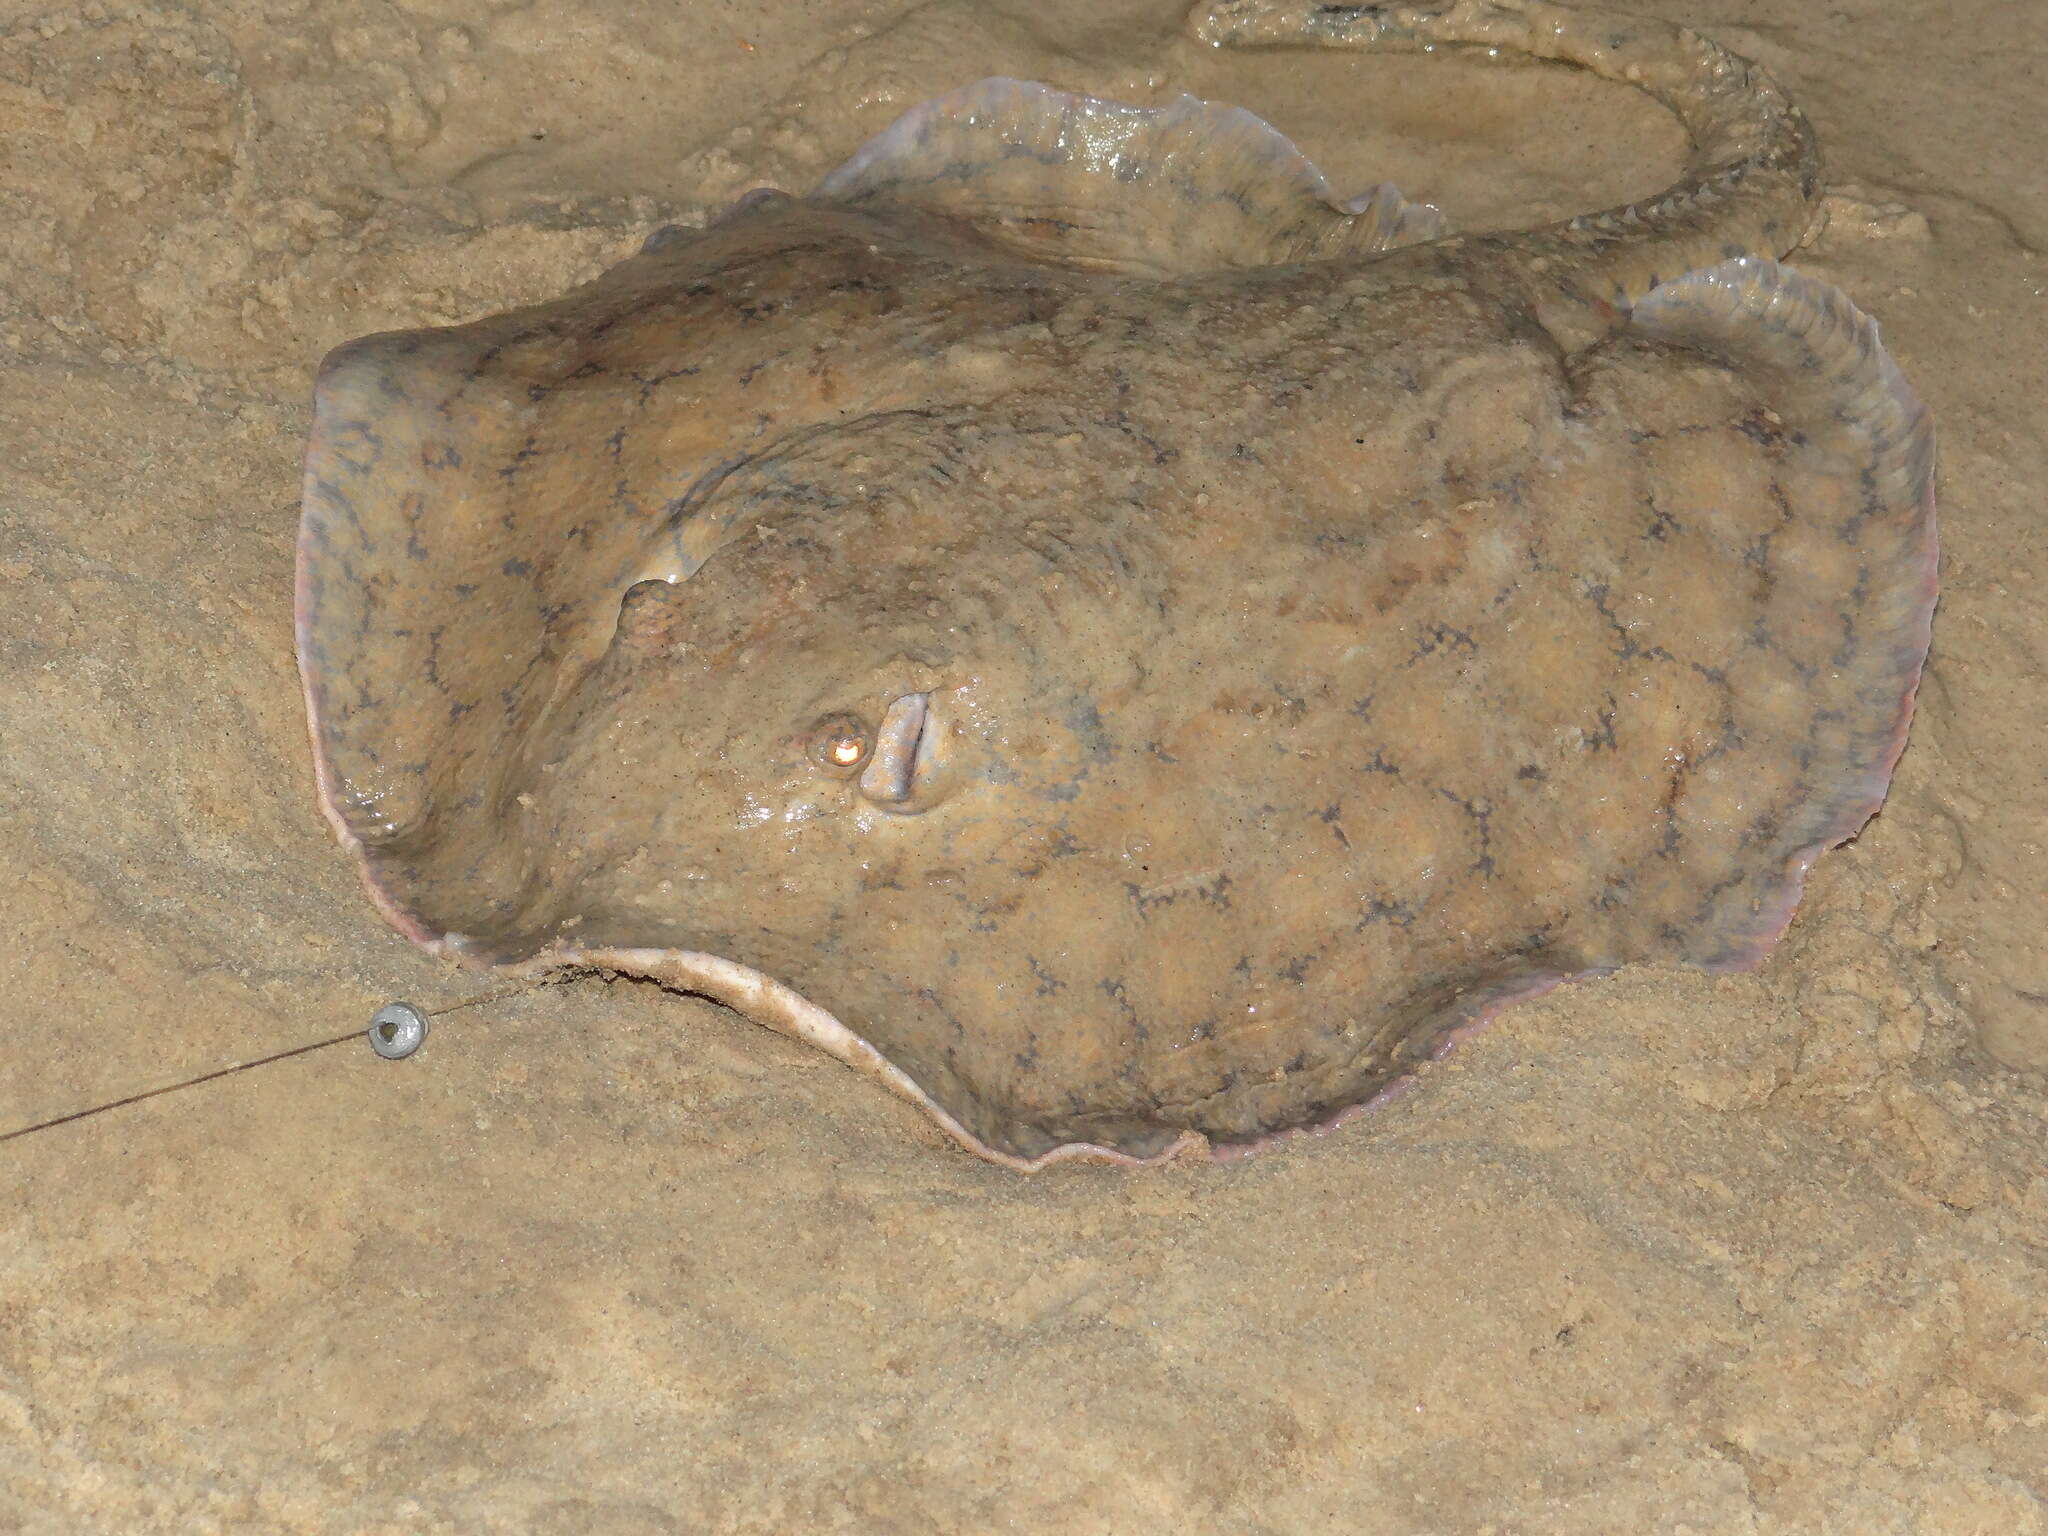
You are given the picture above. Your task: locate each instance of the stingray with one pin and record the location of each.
(1132, 650)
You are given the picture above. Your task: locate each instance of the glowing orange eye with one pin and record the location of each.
(841, 741)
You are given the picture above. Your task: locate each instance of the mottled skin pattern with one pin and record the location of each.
(1125, 704)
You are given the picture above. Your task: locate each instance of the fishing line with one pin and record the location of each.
(396, 1031)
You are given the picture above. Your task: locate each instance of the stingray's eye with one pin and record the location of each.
(841, 741)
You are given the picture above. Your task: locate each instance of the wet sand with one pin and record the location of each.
(1666, 1251)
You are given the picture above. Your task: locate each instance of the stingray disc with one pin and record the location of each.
(1129, 649)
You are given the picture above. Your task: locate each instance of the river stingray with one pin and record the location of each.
(1132, 650)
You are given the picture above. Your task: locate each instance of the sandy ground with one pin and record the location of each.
(1665, 1252)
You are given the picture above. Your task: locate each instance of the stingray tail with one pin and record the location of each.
(1860, 474)
(1751, 184)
